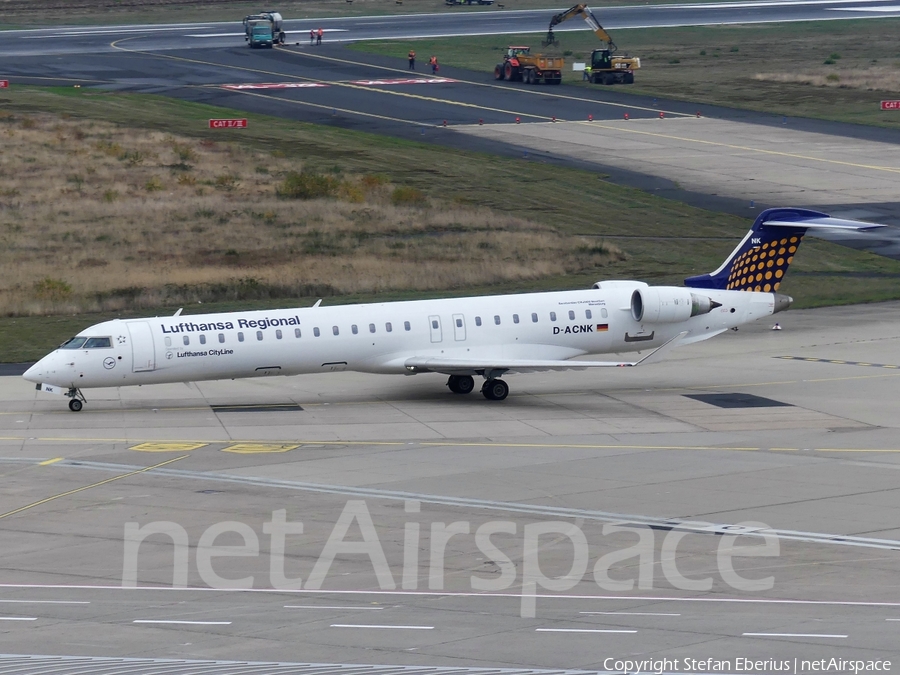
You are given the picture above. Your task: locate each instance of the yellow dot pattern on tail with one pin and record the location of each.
(762, 267)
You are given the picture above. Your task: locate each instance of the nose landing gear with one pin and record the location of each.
(77, 399)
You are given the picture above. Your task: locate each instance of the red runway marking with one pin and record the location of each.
(409, 80)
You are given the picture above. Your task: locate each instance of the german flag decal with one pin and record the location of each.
(602, 327)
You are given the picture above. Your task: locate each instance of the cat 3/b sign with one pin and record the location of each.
(228, 124)
(890, 105)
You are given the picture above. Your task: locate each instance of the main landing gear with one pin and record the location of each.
(461, 384)
(77, 399)
(493, 389)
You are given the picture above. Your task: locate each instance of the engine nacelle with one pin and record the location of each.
(668, 304)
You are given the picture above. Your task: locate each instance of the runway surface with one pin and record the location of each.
(451, 22)
(790, 434)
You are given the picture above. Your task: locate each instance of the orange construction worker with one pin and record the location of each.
(412, 59)
(319, 34)
(434, 65)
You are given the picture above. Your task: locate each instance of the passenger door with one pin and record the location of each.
(143, 352)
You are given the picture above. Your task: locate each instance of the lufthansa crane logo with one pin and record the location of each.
(109, 363)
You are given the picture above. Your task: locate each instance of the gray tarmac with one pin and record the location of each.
(790, 435)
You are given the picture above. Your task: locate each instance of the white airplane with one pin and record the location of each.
(485, 336)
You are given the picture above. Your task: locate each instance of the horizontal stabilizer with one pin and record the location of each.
(476, 365)
(827, 222)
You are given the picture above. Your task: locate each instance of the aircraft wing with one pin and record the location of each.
(451, 366)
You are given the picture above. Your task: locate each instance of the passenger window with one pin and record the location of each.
(316, 332)
(515, 318)
(98, 343)
(571, 315)
(477, 320)
(168, 343)
(278, 334)
(335, 330)
(202, 339)
(371, 327)
(553, 316)
(533, 317)
(406, 325)
(221, 338)
(296, 332)
(587, 314)
(76, 342)
(497, 319)
(259, 335)
(603, 312)
(354, 329)
(186, 339)
(388, 327)
(459, 323)
(240, 336)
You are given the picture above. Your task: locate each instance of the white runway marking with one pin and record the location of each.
(889, 8)
(18, 618)
(274, 85)
(49, 602)
(331, 607)
(633, 613)
(101, 32)
(404, 80)
(359, 625)
(803, 635)
(580, 630)
(187, 623)
(287, 32)
(455, 594)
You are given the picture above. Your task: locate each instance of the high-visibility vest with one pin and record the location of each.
(412, 55)
(320, 32)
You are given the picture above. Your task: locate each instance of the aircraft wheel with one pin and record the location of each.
(75, 405)
(461, 384)
(495, 390)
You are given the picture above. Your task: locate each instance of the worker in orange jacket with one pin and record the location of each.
(434, 65)
(319, 34)
(412, 59)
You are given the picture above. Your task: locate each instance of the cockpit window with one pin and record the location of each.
(73, 343)
(97, 343)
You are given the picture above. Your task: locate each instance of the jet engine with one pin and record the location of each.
(668, 304)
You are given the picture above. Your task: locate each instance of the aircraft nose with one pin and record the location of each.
(35, 373)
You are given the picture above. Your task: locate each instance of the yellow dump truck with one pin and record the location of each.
(520, 65)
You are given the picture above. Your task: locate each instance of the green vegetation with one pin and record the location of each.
(836, 70)
(556, 202)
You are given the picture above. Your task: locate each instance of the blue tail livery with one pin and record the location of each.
(761, 260)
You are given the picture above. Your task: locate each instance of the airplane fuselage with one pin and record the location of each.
(381, 337)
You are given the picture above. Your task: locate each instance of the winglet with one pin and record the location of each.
(660, 352)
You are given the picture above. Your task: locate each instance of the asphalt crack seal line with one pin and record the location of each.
(135, 471)
(661, 523)
(839, 362)
(347, 85)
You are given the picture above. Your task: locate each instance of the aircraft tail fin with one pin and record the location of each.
(761, 260)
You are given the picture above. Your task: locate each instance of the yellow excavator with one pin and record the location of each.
(604, 67)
